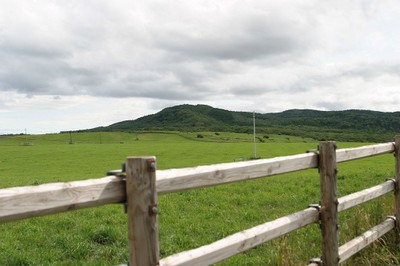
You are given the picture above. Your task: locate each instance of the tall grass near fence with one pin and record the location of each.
(187, 219)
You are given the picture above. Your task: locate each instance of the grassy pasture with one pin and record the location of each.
(187, 219)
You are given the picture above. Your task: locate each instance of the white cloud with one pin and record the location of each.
(44, 113)
(240, 55)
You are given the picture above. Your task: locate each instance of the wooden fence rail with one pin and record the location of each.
(141, 183)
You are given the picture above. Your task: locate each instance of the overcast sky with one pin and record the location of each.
(67, 65)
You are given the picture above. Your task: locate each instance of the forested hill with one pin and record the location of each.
(349, 125)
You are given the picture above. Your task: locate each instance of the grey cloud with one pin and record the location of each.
(134, 51)
(31, 50)
(121, 56)
(154, 91)
(332, 105)
(372, 70)
(255, 39)
(45, 76)
(329, 78)
(251, 90)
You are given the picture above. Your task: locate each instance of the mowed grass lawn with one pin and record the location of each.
(189, 219)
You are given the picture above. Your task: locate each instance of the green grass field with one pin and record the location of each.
(98, 236)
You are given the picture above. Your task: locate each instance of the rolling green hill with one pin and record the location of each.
(348, 125)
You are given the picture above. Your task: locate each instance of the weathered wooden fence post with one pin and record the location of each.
(142, 211)
(329, 203)
(397, 185)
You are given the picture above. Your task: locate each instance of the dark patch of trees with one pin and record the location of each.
(349, 125)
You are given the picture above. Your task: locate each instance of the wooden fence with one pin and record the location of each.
(138, 187)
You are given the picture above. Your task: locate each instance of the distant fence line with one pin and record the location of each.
(140, 184)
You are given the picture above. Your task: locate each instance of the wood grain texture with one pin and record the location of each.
(343, 155)
(352, 247)
(397, 189)
(210, 175)
(241, 241)
(24, 202)
(142, 211)
(365, 195)
(329, 203)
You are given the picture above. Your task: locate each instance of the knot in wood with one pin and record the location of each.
(153, 210)
(151, 165)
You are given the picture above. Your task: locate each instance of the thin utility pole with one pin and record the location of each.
(254, 133)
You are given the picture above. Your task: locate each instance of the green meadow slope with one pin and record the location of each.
(188, 219)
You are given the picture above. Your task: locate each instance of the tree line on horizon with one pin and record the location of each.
(348, 125)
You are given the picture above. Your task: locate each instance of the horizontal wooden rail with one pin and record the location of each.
(24, 202)
(174, 180)
(352, 247)
(365, 195)
(357, 244)
(349, 154)
(243, 240)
